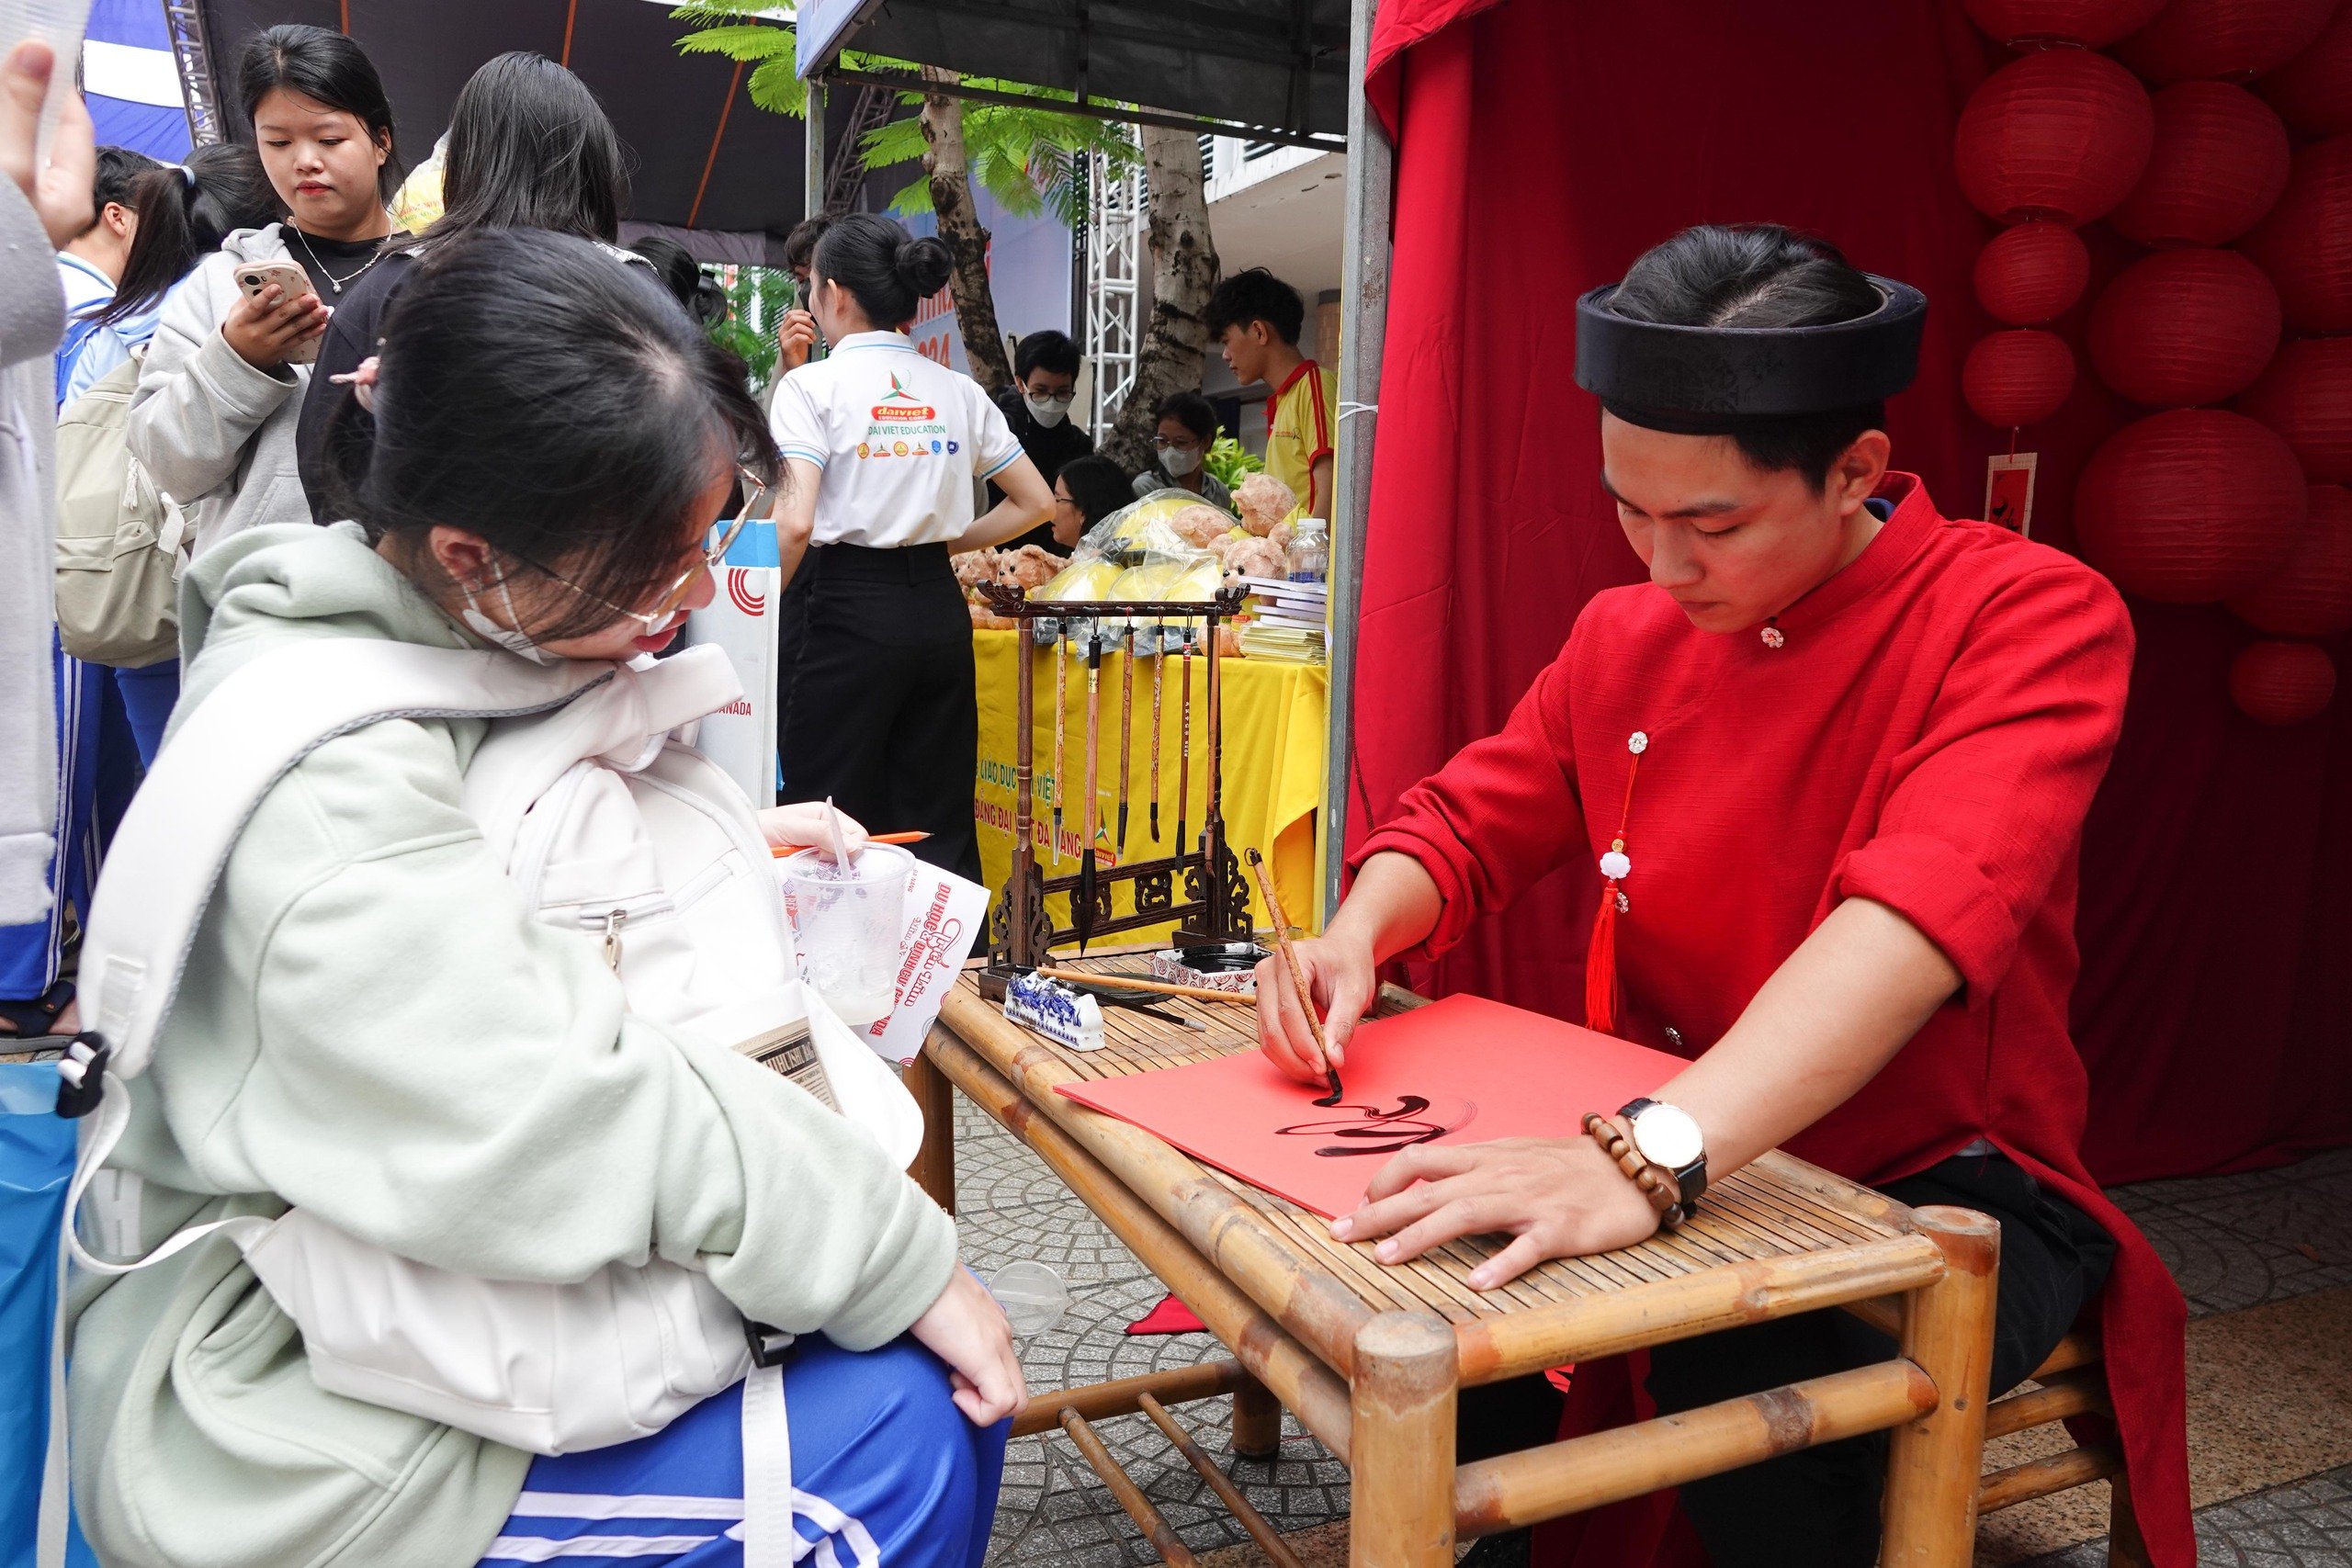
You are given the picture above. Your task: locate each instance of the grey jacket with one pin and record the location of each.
(217, 434)
(32, 318)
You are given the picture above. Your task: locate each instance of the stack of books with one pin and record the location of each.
(1289, 623)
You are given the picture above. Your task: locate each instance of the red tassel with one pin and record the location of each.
(1601, 966)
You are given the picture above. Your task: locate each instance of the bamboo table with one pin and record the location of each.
(1369, 1357)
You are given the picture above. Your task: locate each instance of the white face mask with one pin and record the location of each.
(1179, 460)
(1048, 411)
(512, 638)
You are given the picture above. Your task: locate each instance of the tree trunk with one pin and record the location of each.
(1183, 274)
(959, 224)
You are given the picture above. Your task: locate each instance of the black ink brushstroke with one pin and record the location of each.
(1373, 1130)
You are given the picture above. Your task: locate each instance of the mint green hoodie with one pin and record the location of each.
(371, 1027)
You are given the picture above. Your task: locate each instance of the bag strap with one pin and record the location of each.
(252, 728)
(624, 722)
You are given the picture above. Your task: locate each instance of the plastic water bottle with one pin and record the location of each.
(1310, 551)
(1033, 1296)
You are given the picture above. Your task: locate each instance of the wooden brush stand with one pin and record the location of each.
(1201, 886)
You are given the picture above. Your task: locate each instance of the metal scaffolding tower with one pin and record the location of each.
(1114, 251)
(185, 18)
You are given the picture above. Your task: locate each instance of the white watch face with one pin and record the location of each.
(1667, 1135)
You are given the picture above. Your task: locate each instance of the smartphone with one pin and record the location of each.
(255, 276)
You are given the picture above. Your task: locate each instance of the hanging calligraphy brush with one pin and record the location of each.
(1127, 732)
(1184, 744)
(1085, 911)
(1061, 679)
(1159, 666)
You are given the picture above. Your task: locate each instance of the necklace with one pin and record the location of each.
(337, 283)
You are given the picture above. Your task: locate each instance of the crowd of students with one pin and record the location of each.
(519, 437)
(1256, 321)
(503, 432)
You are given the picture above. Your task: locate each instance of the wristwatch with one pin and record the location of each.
(1669, 1136)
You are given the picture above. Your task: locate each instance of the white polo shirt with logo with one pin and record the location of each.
(899, 438)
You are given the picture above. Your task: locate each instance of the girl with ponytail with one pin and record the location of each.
(874, 701)
(184, 214)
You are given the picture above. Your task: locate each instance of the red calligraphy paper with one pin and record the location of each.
(1465, 1070)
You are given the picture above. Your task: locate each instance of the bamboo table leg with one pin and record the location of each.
(1935, 1461)
(1401, 1448)
(1257, 1421)
(935, 1165)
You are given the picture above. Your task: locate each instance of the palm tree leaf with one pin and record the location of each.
(912, 199)
(745, 43)
(893, 141)
(778, 89)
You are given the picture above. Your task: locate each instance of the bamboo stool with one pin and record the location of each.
(1370, 1357)
(2071, 1382)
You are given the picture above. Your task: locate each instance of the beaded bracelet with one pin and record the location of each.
(1656, 1184)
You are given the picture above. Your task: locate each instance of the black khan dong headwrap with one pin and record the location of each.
(1690, 380)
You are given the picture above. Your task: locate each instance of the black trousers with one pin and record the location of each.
(1819, 1507)
(873, 695)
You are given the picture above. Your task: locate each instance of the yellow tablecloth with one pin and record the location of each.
(1274, 727)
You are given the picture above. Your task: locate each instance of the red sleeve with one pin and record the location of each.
(1984, 810)
(1316, 430)
(1499, 817)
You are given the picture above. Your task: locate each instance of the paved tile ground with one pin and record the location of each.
(2306, 1524)
(2232, 1242)
(1053, 1513)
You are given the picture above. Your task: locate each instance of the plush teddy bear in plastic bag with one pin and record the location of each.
(1264, 500)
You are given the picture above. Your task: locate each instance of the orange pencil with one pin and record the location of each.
(780, 850)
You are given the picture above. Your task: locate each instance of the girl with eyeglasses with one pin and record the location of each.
(374, 1026)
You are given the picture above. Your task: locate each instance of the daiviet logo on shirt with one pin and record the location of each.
(903, 404)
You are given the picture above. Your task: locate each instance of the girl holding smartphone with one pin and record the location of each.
(220, 395)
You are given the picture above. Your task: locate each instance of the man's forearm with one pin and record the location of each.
(1841, 1007)
(1393, 906)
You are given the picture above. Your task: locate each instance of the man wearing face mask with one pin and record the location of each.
(1038, 407)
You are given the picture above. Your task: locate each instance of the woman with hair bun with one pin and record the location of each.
(876, 708)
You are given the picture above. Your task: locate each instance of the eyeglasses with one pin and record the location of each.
(717, 542)
(1163, 443)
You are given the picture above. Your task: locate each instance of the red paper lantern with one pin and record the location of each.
(2190, 507)
(2199, 40)
(2061, 135)
(2306, 397)
(2306, 242)
(2282, 683)
(2019, 378)
(2313, 92)
(2312, 594)
(2218, 163)
(2185, 327)
(2031, 24)
(2032, 272)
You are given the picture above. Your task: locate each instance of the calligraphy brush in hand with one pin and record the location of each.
(1297, 970)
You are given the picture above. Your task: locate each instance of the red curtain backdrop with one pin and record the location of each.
(1543, 144)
